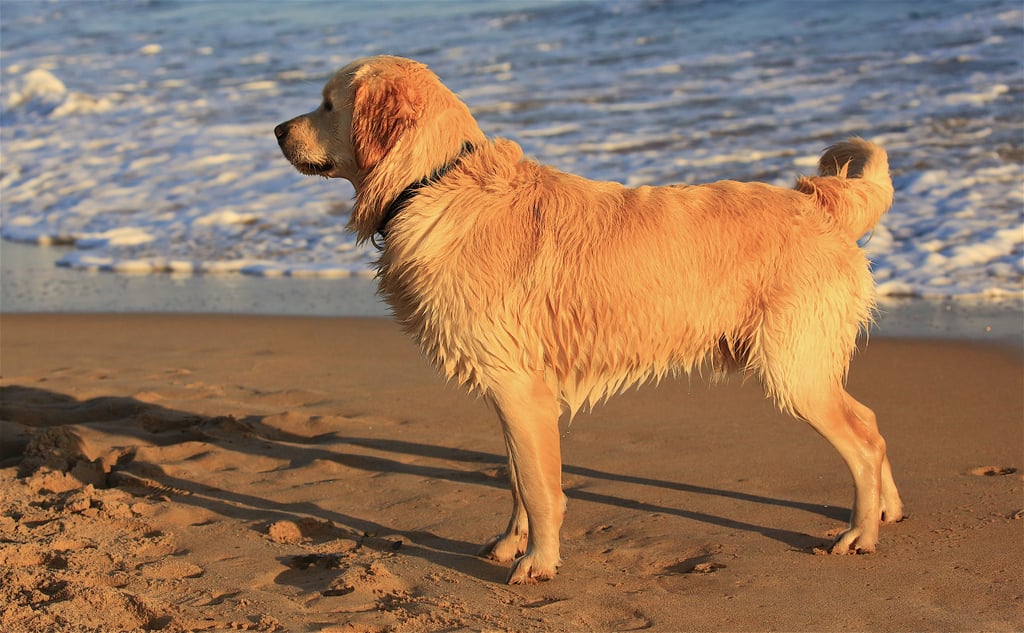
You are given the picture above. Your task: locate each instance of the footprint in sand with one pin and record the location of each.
(367, 583)
(992, 471)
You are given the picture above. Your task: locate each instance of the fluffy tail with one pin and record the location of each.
(853, 187)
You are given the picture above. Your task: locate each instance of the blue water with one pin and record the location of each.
(139, 133)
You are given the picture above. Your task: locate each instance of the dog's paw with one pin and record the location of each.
(854, 541)
(892, 511)
(504, 547)
(530, 569)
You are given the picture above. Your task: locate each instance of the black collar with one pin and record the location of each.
(407, 194)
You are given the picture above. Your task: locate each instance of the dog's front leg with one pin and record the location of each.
(529, 416)
(507, 546)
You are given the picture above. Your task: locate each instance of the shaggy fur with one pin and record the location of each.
(547, 292)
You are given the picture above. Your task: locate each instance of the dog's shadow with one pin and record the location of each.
(38, 409)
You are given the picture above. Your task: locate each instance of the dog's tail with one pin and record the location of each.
(853, 187)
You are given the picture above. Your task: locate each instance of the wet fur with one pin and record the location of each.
(546, 292)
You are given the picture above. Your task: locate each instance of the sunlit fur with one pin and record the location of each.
(602, 286)
(536, 287)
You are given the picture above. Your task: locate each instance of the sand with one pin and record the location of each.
(179, 473)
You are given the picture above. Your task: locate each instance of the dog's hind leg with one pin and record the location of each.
(804, 372)
(510, 544)
(529, 417)
(892, 505)
(863, 450)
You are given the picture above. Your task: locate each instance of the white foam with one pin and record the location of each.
(748, 156)
(126, 236)
(225, 217)
(256, 86)
(42, 91)
(554, 130)
(39, 85)
(982, 97)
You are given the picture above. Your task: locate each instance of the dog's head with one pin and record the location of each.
(383, 124)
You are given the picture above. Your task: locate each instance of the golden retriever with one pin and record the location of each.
(545, 292)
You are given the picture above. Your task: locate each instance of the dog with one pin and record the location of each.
(546, 292)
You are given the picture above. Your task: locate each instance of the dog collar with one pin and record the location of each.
(407, 194)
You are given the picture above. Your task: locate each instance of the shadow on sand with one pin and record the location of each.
(28, 412)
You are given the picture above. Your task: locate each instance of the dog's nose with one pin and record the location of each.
(281, 131)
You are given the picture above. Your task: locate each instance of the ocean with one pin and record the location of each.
(137, 136)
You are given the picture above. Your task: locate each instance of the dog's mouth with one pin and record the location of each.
(314, 169)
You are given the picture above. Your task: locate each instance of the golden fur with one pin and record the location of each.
(546, 292)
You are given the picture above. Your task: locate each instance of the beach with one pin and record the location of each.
(209, 423)
(223, 472)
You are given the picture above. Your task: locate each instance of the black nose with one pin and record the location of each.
(281, 131)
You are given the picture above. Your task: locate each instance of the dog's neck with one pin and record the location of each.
(403, 198)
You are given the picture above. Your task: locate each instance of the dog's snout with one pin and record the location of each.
(281, 131)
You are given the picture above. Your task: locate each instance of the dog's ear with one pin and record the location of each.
(385, 108)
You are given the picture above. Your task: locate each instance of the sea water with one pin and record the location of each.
(139, 134)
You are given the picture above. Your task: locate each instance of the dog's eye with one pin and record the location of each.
(328, 106)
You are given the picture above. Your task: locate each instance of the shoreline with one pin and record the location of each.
(32, 283)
